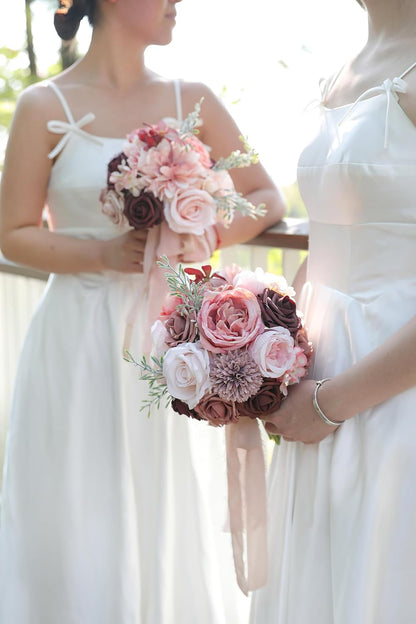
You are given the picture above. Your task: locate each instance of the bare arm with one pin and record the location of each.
(22, 199)
(221, 133)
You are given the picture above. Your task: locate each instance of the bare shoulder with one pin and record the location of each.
(193, 92)
(39, 102)
(408, 99)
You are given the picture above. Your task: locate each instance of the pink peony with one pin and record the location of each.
(229, 320)
(274, 352)
(190, 211)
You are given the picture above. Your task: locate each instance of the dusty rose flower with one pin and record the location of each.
(186, 370)
(306, 345)
(180, 407)
(279, 310)
(229, 320)
(113, 207)
(273, 351)
(234, 375)
(190, 211)
(217, 411)
(181, 327)
(143, 211)
(266, 401)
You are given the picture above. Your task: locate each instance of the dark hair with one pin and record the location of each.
(68, 16)
(361, 4)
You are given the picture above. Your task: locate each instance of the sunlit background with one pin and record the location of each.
(265, 57)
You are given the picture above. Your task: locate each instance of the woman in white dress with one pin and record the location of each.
(343, 495)
(107, 515)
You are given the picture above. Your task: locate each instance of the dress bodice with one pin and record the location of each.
(79, 174)
(358, 180)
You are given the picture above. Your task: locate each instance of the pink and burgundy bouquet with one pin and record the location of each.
(166, 173)
(226, 345)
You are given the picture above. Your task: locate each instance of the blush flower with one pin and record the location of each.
(113, 207)
(186, 370)
(181, 327)
(235, 376)
(274, 352)
(159, 335)
(229, 320)
(190, 211)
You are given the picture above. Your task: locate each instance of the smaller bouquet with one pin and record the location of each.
(166, 173)
(226, 344)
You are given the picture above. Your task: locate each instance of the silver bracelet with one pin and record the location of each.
(318, 410)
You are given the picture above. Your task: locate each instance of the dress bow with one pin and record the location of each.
(391, 88)
(66, 127)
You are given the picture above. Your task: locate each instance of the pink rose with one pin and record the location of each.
(113, 207)
(229, 320)
(274, 352)
(190, 211)
(200, 149)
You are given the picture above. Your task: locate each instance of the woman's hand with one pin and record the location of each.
(296, 419)
(125, 253)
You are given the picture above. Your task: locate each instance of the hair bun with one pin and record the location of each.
(68, 17)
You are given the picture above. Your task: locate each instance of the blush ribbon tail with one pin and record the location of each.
(247, 502)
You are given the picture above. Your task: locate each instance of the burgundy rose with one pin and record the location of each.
(302, 341)
(217, 411)
(113, 166)
(266, 401)
(143, 211)
(279, 310)
(180, 407)
(181, 327)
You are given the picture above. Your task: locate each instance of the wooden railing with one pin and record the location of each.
(21, 289)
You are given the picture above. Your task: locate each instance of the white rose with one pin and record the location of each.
(190, 211)
(186, 370)
(159, 335)
(274, 352)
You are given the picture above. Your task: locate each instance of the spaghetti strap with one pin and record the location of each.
(329, 84)
(67, 128)
(177, 85)
(63, 101)
(408, 70)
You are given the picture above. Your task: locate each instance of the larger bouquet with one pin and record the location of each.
(166, 173)
(226, 345)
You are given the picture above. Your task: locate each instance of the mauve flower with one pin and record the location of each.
(229, 320)
(186, 370)
(190, 211)
(274, 352)
(217, 411)
(180, 407)
(266, 401)
(181, 327)
(113, 207)
(235, 375)
(305, 344)
(279, 310)
(144, 211)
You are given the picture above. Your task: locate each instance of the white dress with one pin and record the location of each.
(108, 516)
(343, 512)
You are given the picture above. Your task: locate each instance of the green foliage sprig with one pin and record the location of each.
(156, 379)
(180, 285)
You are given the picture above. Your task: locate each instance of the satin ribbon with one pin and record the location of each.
(247, 502)
(162, 241)
(66, 128)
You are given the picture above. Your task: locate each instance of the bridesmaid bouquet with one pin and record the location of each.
(226, 344)
(166, 173)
